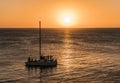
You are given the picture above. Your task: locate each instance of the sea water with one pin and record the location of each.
(83, 55)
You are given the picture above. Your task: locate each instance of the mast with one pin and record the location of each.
(39, 39)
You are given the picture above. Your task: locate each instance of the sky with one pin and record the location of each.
(59, 13)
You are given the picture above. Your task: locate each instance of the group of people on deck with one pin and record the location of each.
(31, 59)
(41, 58)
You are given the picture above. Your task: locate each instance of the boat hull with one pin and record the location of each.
(42, 63)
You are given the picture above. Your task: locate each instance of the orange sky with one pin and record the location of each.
(87, 13)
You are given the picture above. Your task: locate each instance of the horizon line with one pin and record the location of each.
(59, 28)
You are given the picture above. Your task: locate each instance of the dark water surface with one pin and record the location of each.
(84, 55)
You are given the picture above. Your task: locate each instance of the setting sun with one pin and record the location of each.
(67, 18)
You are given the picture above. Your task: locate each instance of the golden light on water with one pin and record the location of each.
(67, 52)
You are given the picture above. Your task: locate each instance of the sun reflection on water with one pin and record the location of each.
(67, 51)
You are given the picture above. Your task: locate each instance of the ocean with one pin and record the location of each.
(84, 55)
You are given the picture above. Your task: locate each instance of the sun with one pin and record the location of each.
(67, 19)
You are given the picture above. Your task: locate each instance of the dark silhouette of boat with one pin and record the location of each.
(44, 61)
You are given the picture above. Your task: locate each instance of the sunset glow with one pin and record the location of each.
(59, 13)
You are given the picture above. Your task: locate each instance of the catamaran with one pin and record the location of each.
(43, 61)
